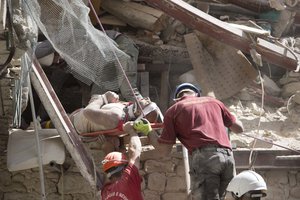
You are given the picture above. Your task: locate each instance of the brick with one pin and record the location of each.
(156, 182)
(159, 166)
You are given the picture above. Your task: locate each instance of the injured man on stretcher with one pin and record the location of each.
(106, 112)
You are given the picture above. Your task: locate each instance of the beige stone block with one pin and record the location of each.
(295, 192)
(73, 184)
(151, 154)
(176, 160)
(5, 178)
(6, 92)
(173, 196)
(180, 170)
(175, 184)
(296, 98)
(18, 178)
(157, 182)
(8, 111)
(290, 89)
(151, 195)
(143, 186)
(292, 178)
(8, 102)
(15, 195)
(275, 177)
(275, 193)
(261, 144)
(5, 82)
(159, 166)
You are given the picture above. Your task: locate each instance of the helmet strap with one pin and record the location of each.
(118, 169)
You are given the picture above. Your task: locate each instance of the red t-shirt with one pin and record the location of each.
(196, 122)
(128, 187)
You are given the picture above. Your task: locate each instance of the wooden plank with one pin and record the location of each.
(112, 20)
(266, 159)
(164, 91)
(196, 19)
(144, 83)
(96, 4)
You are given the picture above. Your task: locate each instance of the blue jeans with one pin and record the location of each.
(211, 169)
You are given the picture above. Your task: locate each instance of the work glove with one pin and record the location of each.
(143, 126)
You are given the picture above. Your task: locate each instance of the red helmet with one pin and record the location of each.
(113, 159)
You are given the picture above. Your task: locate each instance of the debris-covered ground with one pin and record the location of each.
(276, 120)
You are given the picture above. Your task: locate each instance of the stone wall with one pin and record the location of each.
(163, 179)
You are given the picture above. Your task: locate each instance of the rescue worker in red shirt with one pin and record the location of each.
(124, 180)
(199, 124)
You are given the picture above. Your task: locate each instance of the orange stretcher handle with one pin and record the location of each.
(117, 131)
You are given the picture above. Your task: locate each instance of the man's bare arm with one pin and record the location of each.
(134, 146)
(237, 127)
(162, 149)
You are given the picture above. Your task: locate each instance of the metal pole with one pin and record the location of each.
(37, 140)
(186, 169)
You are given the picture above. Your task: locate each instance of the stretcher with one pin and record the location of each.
(117, 131)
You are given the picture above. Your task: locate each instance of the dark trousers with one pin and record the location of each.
(211, 170)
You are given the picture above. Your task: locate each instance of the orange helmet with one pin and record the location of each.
(113, 159)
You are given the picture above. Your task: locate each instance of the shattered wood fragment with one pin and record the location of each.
(136, 15)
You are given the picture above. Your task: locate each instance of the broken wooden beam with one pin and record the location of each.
(136, 15)
(163, 53)
(205, 23)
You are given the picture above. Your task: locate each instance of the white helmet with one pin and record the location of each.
(247, 181)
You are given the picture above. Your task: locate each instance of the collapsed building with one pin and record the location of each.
(246, 54)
